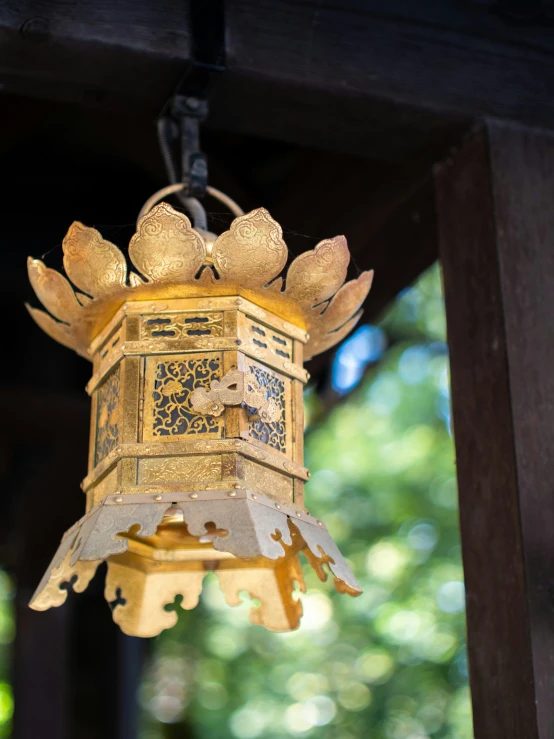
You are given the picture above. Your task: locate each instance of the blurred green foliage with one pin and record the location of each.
(6, 638)
(390, 664)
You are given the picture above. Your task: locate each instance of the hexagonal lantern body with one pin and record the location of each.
(147, 439)
(196, 453)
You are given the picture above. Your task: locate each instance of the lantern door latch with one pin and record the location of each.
(235, 388)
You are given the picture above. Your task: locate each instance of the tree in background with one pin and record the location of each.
(390, 664)
(6, 639)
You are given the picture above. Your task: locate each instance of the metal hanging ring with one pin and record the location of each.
(194, 206)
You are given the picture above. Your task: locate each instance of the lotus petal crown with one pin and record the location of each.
(173, 260)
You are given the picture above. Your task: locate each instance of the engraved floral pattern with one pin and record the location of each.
(171, 256)
(316, 275)
(107, 431)
(166, 248)
(174, 383)
(93, 264)
(253, 248)
(180, 469)
(272, 434)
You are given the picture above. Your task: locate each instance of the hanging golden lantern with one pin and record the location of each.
(196, 446)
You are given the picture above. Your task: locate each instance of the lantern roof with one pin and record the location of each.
(173, 260)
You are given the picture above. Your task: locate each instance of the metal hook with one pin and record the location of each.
(235, 209)
(194, 170)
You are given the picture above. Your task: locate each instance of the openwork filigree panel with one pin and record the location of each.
(107, 413)
(181, 325)
(174, 380)
(272, 434)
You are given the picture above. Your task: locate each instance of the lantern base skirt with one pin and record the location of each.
(158, 551)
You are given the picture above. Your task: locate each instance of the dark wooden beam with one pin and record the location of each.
(495, 217)
(356, 76)
(330, 119)
(99, 53)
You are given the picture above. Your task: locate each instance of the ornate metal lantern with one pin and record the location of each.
(196, 446)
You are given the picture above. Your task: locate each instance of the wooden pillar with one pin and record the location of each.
(75, 674)
(40, 671)
(495, 211)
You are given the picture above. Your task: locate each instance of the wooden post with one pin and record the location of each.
(495, 211)
(40, 671)
(74, 673)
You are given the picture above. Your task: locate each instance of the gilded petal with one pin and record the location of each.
(83, 299)
(206, 277)
(316, 275)
(53, 291)
(93, 264)
(346, 302)
(320, 342)
(252, 252)
(58, 331)
(134, 280)
(276, 286)
(165, 247)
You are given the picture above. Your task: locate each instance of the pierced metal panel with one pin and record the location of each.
(181, 325)
(107, 416)
(273, 434)
(169, 384)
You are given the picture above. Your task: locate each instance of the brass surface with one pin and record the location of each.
(275, 485)
(235, 388)
(179, 469)
(171, 257)
(196, 455)
(196, 447)
(160, 550)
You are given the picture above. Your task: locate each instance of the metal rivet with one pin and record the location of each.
(236, 485)
(193, 496)
(151, 346)
(277, 506)
(232, 494)
(119, 500)
(299, 515)
(319, 523)
(308, 475)
(254, 497)
(157, 497)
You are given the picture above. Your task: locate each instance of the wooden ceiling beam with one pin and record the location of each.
(352, 76)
